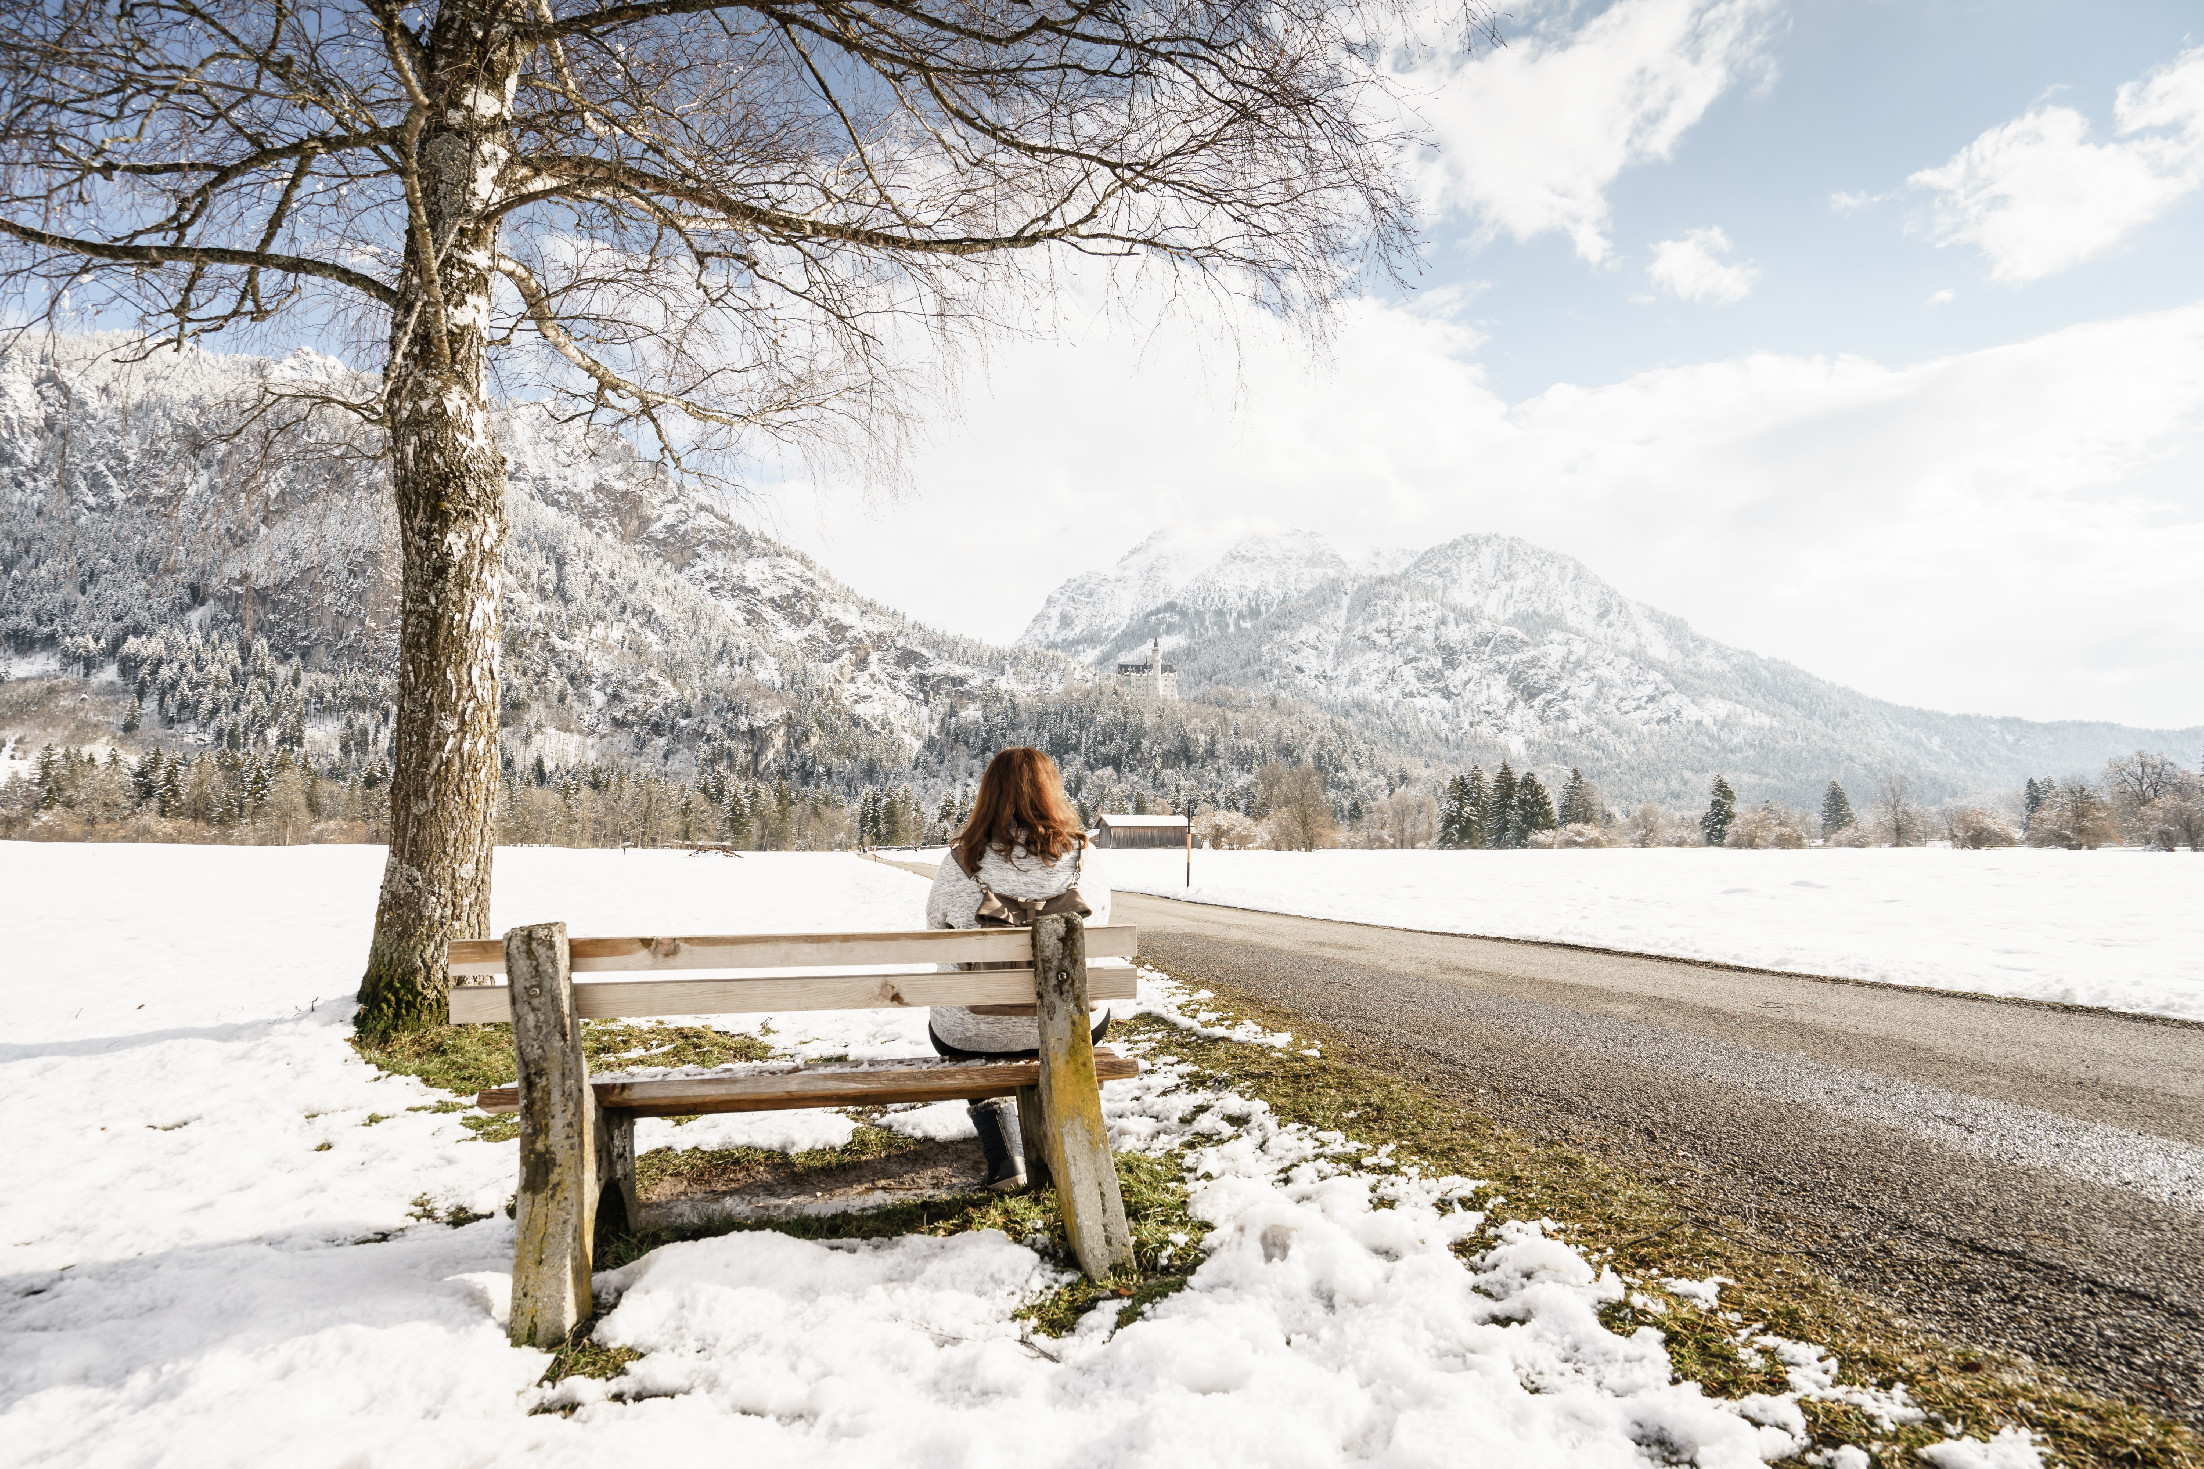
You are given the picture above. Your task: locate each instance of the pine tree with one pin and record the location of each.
(1452, 812)
(1721, 811)
(1500, 808)
(2032, 799)
(1534, 810)
(1577, 805)
(147, 777)
(1836, 810)
(1476, 806)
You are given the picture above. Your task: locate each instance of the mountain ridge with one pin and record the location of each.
(1488, 646)
(645, 628)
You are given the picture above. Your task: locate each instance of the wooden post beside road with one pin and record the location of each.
(554, 1216)
(1076, 1143)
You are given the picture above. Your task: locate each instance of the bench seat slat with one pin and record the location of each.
(608, 999)
(475, 957)
(781, 1090)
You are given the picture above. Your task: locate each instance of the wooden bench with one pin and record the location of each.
(577, 1136)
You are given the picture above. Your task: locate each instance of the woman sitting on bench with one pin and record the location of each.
(1020, 856)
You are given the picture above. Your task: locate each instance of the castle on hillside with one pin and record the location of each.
(1154, 679)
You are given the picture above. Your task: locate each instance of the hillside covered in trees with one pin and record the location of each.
(210, 552)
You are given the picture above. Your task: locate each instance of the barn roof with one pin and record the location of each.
(1112, 819)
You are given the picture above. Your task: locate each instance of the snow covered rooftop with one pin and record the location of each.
(1112, 819)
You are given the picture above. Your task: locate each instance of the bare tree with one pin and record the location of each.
(1898, 814)
(2135, 783)
(2141, 778)
(1767, 825)
(709, 221)
(1300, 806)
(2073, 816)
(1227, 831)
(2177, 819)
(1972, 828)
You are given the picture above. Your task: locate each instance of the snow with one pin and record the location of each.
(782, 1132)
(941, 1122)
(196, 1278)
(2120, 929)
(2013, 1448)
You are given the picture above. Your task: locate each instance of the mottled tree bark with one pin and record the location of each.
(449, 482)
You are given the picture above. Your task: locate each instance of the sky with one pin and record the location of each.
(1866, 334)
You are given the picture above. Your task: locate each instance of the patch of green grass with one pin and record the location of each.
(425, 1209)
(1649, 1231)
(471, 1058)
(582, 1355)
(698, 1168)
(450, 1058)
(492, 1127)
(1155, 1193)
(613, 1046)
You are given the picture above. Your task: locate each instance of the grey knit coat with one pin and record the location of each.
(955, 903)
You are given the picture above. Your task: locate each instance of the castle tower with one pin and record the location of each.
(1154, 679)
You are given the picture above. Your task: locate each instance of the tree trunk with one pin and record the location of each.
(449, 483)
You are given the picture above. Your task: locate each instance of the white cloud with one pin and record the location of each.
(1943, 298)
(2010, 531)
(2036, 196)
(1532, 134)
(1691, 268)
(1845, 202)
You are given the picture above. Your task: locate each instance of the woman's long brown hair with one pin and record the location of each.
(1021, 800)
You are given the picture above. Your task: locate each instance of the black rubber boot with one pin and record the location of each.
(996, 1120)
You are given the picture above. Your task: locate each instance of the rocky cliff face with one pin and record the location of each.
(1489, 647)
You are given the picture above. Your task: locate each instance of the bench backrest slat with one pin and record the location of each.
(476, 957)
(607, 999)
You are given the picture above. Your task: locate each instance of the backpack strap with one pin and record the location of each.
(996, 911)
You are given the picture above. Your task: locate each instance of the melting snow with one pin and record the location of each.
(220, 1262)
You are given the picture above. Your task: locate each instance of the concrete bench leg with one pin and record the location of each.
(555, 1215)
(1075, 1141)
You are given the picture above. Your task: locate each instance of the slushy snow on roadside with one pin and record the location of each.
(224, 1260)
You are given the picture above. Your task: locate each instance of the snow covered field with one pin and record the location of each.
(211, 1256)
(2120, 929)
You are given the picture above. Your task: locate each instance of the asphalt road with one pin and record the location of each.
(2020, 1176)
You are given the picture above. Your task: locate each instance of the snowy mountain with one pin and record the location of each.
(137, 501)
(1489, 647)
(227, 563)
(160, 518)
(1165, 588)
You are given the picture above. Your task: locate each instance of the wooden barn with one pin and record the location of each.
(1122, 831)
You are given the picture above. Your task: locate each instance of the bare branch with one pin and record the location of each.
(162, 255)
